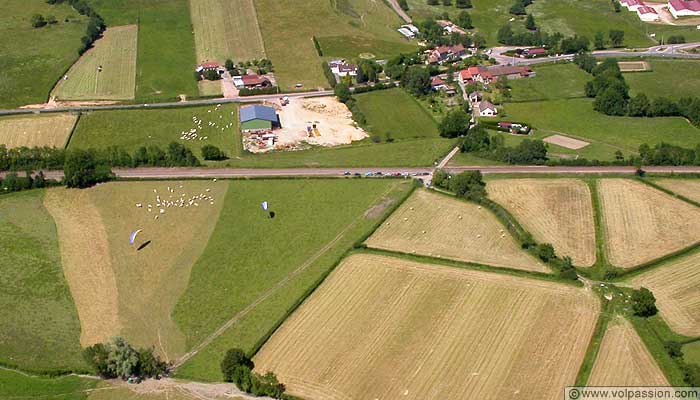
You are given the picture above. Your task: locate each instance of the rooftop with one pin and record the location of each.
(264, 113)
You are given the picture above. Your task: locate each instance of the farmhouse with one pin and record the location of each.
(647, 14)
(342, 68)
(251, 82)
(441, 54)
(210, 66)
(489, 74)
(486, 109)
(257, 118)
(450, 28)
(533, 52)
(683, 8)
(474, 97)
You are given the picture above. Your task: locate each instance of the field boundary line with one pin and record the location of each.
(601, 327)
(257, 25)
(269, 292)
(72, 131)
(669, 192)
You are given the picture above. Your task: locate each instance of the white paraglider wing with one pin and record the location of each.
(263, 205)
(132, 238)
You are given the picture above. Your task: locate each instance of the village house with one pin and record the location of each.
(632, 5)
(441, 54)
(486, 109)
(683, 8)
(487, 75)
(450, 28)
(474, 97)
(533, 52)
(342, 69)
(210, 66)
(251, 82)
(438, 84)
(647, 14)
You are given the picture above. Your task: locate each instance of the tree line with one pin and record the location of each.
(237, 367)
(118, 359)
(95, 27)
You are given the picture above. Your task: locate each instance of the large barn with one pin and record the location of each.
(258, 118)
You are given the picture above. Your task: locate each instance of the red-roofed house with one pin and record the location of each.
(342, 68)
(441, 54)
(251, 82)
(534, 52)
(449, 27)
(491, 74)
(632, 5)
(647, 14)
(210, 66)
(683, 8)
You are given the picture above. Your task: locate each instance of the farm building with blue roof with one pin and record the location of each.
(258, 118)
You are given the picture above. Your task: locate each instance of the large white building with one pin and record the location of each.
(683, 8)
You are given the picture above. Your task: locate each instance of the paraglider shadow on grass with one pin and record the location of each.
(143, 246)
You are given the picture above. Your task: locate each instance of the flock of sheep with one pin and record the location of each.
(173, 201)
(196, 133)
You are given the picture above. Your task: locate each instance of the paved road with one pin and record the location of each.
(666, 51)
(210, 173)
(188, 103)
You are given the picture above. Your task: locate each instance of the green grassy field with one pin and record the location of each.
(131, 129)
(166, 55)
(577, 118)
(352, 46)
(568, 17)
(691, 353)
(553, 81)
(288, 31)
(40, 328)
(115, 53)
(250, 253)
(396, 113)
(33, 59)
(226, 29)
(14, 385)
(117, 12)
(662, 81)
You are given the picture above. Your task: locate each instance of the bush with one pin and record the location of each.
(211, 75)
(255, 92)
(82, 170)
(237, 368)
(545, 252)
(644, 303)
(37, 21)
(210, 152)
(118, 359)
(317, 46)
(455, 124)
(330, 77)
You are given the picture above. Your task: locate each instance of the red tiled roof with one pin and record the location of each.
(537, 50)
(633, 2)
(692, 5)
(252, 80)
(210, 65)
(436, 81)
(646, 10)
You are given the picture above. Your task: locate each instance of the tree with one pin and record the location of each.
(342, 92)
(404, 5)
(210, 152)
(82, 170)
(585, 61)
(611, 101)
(599, 41)
(674, 349)
(639, 106)
(416, 80)
(211, 75)
(37, 21)
(433, 2)
(440, 178)
(446, 2)
(644, 303)
(505, 34)
(468, 184)
(122, 359)
(617, 6)
(97, 356)
(545, 251)
(616, 37)
(229, 65)
(530, 22)
(463, 4)
(150, 365)
(517, 9)
(235, 358)
(464, 20)
(455, 123)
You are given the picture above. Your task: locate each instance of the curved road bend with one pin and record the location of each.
(210, 173)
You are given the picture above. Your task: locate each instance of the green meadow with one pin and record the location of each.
(396, 113)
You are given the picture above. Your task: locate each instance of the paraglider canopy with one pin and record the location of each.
(263, 205)
(132, 237)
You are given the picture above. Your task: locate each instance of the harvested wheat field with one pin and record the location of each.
(388, 328)
(50, 130)
(688, 188)
(131, 290)
(105, 72)
(86, 263)
(623, 360)
(642, 224)
(676, 285)
(440, 226)
(226, 29)
(556, 211)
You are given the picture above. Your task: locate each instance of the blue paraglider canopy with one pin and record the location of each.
(132, 238)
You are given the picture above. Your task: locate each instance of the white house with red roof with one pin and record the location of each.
(441, 54)
(632, 5)
(251, 82)
(342, 68)
(487, 109)
(684, 8)
(210, 66)
(648, 14)
(487, 75)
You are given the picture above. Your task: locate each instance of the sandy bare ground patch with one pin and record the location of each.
(388, 328)
(435, 225)
(676, 286)
(634, 66)
(565, 141)
(152, 279)
(86, 263)
(332, 118)
(41, 130)
(642, 224)
(688, 188)
(623, 360)
(169, 389)
(556, 211)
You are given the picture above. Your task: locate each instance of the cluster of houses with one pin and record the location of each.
(409, 31)
(677, 8)
(488, 75)
(248, 81)
(442, 54)
(342, 68)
